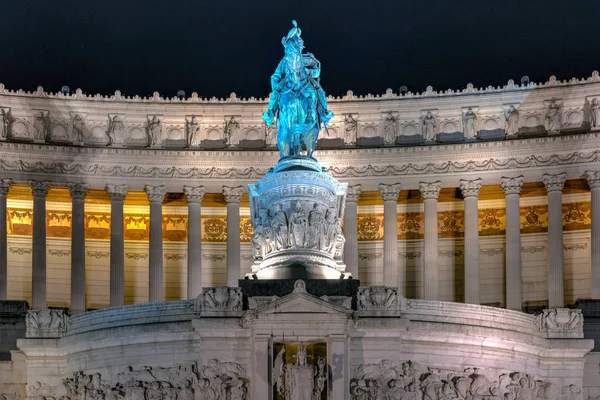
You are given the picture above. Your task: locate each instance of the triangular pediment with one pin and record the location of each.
(301, 303)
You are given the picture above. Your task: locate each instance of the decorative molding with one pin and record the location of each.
(59, 253)
(233, 194)
(379, 299)
(491, 252)
(450, 253)
(39, 188)
(78, 190)
(175, 256)
(389, 192)
(194, 194)
(353, 193)
(575, 246)
(554, 182)
(20, 250)
(136, 256)
(561, 323)
(219, 299)
(593, 178)
(213, 257)
(370, 256)
(98, 254)
(470, 188)
(430, 190)
(156, 194)
(46, 323)
(5, 186)
(512, 185)
(533, 249)
(117, 192)
(411, 255)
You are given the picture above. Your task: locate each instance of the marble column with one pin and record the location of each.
(194, 197)
(351, 230)
(4, 187)
(512, 192)
(389, 194)
(430, 193)
(39, 190)
(556, 286)
(233, 195)
(593, 179)
(78, 192)
(470, 191)
(117, 195)
(156, 196)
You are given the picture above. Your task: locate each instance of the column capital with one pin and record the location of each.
(470, 188)
(512, 185)
(353, 193)
(430, 190)
(593, 178)
(117, 192)
(156, 194)
(389, 192)
(39, 188)
(78, 190)
(194, 194)
(5, 186)
(233, 194)
(554, 182)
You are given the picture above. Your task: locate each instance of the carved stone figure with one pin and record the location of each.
(561, 321)
(259, 241)
(330, 231)
(232, 129)
(378, 298)
(271, 134)
(220, 298)
(46, 323)
(154, 131)
(298, 226)
(78, 129)
(116, 130)
(6, 120)
(428, 127)
(594, 113)
(316, 228)
(350, 127)
(389, 129)
(553, 123)
(279, 228)
(191, 128)
(297, 99)
(300, 380)
(340, 240)
(41, 126)
(470, 122)
(511, 126)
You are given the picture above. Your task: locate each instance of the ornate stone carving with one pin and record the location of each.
(430, 190)
(233, 194)
(232, 131)
(98, 254)
(593, 178)
(46, 323)
(79, 130)
(59, 253)
(6, 122)
(470, 124)
(428, 125)
(470, 188)
(553, 120)
(390, 128)
(512, 185)
(561, 323)
(389, 192)
(40, 391)
(194, 194)
(20, 250)
(156, 194)
(220, 298)
(136, 256)
(353, 193)
(154, 130)
(350, 129)
(412, 381)
(78, 190)
(117, 192)
(301, 379)
(299, 286)
(5, 186)
(39, 188)
(192, 130)
(554, 182)
(41, 125)
(116, 129)
(594, 113)
(379, 298)
(215, 381)
(511, 124)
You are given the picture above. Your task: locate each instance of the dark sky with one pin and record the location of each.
(218, 46)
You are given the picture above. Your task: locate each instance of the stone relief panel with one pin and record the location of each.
(370, 227)
(79, 128)
(451, 224)
(214, 381)
(220, 298)
(412, 381)
(410, 226)
(46, 323)
(534, 219)
(154, 130)
(492, 221)
(300, 371)
(379, 298)
(42, 126)
(561, 323)
(350, 128)
(116, 129)
(6, 123)
(192, 130)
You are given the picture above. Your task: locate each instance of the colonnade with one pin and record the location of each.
(389, 193)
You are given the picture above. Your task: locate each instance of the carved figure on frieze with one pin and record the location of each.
(79, 128)
(389, 129)
(220, 298)
(470, 124)
(46, 323)
(350, 129)
(330, 231)
(260, 239)
(378, 298)
(40, 391)
(298, 226)
(301, 378)
(271, 134)
(6, 121)
(511, 121)
(553, 122)
(279, 229)
(339, 241)
(116, 130)
(154, 130)
(232, 130)
(41, 126)
(595, 113)
(191, 131)
(316, 228)
(428, 126)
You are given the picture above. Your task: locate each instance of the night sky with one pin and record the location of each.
(219, 46)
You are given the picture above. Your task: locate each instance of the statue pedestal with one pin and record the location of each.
(296, 212)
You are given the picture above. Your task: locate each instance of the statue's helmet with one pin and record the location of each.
(293, 37)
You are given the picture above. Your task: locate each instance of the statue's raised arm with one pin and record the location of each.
(297, 101)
